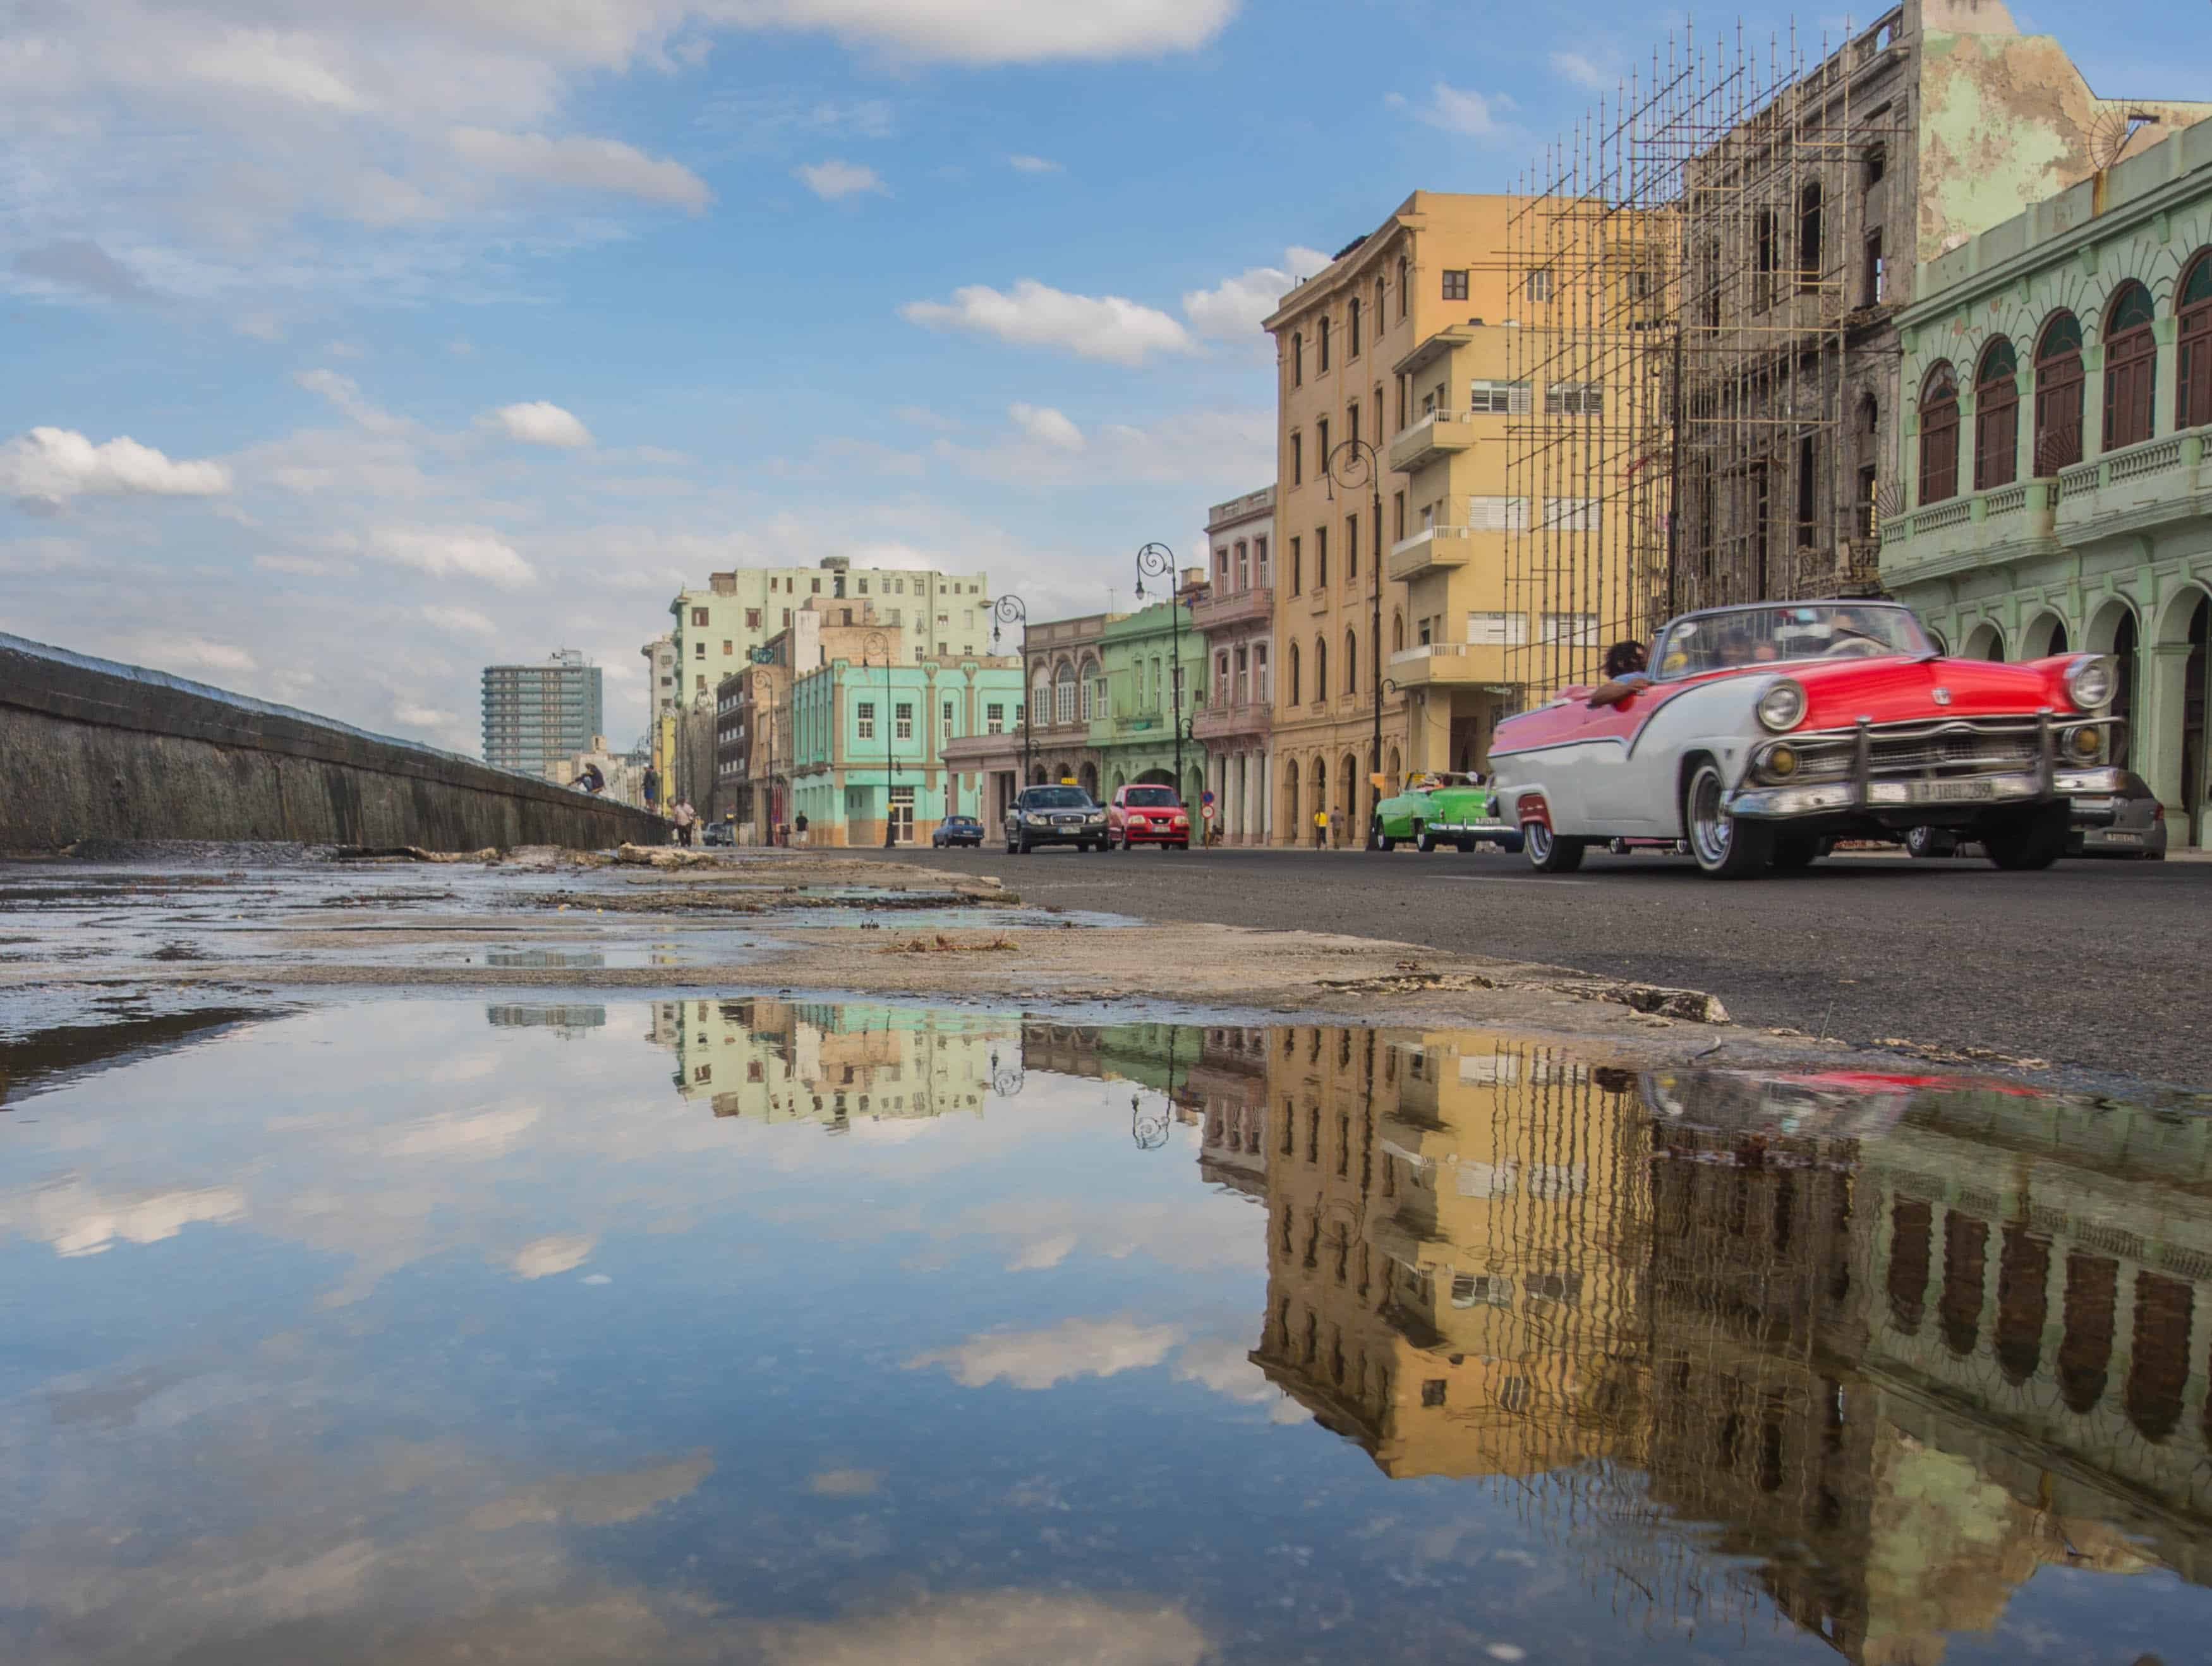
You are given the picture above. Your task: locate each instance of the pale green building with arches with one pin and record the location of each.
(2056, 392)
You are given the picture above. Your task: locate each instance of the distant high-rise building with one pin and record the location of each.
(535, 716)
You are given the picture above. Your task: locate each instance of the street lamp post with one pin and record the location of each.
(1343, 465)
(876, 642)
(1155, 561)
(1011, 609)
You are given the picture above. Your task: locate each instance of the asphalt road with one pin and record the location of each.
(2099, 967)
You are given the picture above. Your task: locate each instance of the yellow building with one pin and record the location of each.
(1343, 340)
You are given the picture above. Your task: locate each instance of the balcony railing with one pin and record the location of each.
(1407, 656)
(1439, 433)
(1236, 607)
(1430, 547)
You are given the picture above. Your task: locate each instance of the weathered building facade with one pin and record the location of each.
(2059, 497)
(1236, 618)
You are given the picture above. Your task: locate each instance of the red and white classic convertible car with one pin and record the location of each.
(1769, 732)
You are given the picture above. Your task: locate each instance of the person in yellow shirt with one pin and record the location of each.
(1321, 828)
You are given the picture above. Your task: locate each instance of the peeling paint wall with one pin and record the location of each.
(2007, 120)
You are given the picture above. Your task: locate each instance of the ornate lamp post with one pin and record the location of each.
(1157, 561)
(1011, 609)
(1345, 465)
(876, 642)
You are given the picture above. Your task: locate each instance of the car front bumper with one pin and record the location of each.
(1922, 802)
(1497, 832)
(1150, 833)
(1038, 833)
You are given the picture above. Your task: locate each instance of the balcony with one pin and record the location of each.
(1431, 550)
(1248, 717)
(1236, 607)
(1442, 665)
(2129, 490)
(1440, 434)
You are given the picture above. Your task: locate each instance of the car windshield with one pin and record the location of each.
(1160, 795)
(1769, 635)
(1056, 797)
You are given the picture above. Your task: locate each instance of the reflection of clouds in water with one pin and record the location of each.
(1039, 1359)
(542, 1257)
(470, 1134)
(1047, 1252)
(845, 1483)
(77, 1219)
(595, 1500)
(995, 1628)
(1182, 1231)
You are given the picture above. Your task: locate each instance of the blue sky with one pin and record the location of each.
(448, 331)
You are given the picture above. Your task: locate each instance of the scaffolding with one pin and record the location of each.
(1694, 287)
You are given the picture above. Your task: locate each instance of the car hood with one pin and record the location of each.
(1902, 691)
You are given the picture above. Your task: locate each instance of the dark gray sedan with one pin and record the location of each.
(2128, 822)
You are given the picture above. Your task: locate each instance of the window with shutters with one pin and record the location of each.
(2131, 368)
(1939, 435)
(994, 719)
(1351, 331)
(1320, 348)
(904, 716)
(1996, 416)
(1298, 359)
(1570, 514)
(1499, 399)
(865, 720)
(1496, 629)
(2058, 390)
(1538, 286)
(1572, 629)
(1456, 284)
(948, 719)
(2192, 360)
(1498, 515)
(1575, 399)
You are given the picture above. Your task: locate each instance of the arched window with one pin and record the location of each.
(1064, 695)
(1996, 417)
(1405, 285)
(2193, 359)
(1380, 315)
(1321, 668)
(1939, 435)
(1321, 346)
(1351, 662)
(1090, 679)
(1351, 331)
(2131, 368)
(1397, 633)
(1040, 709)
(2058, 396)
(1298, 359)
(1294, 697)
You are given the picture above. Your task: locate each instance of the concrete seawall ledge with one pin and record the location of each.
(93, 749)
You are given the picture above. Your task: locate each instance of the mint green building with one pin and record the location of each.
(1144, 658)
(2057, 395)
(867, 744)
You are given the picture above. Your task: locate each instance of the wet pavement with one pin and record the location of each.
(574, 1326)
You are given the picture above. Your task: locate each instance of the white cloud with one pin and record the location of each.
(472, 552)
(1476, 115)
(1234, 309)
(833, 179)
(538, 423)
(1043, 423)
(1001, 31)
(1034, 314)
(460, 621)
(195, 654)
(1039, 1358)
(77, 263)
(424, 717)
(344, 395)
(1583, 71)
(260, 325)
(74, 1218)
(1032, 165)
(45, 469)
(289, 68)
(583, 164)
(988, 1628)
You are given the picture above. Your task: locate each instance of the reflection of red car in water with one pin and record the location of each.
(1851, 1104)
(1145, 814)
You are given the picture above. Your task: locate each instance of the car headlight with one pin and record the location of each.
(1783, 706)
(1095, 816)
(1779, 762)
(2084, 744)
(2089, 682)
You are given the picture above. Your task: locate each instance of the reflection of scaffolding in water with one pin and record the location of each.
(1685, 267)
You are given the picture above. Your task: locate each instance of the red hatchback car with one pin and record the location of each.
(1143, 814)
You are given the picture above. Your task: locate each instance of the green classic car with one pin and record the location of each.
(1442, 809)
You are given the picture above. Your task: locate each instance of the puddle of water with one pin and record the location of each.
(746, 1330)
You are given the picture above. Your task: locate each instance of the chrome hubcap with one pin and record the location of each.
(1711, 827)
(1539, 839)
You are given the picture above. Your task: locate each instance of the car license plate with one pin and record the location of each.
(1067, 821)
(2111, 838)
(1956, 792)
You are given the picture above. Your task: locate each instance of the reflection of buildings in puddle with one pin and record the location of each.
(1443, 1286)
(787, 1061)
(546, 959)
(1892, 1373)
(567, 1020)
(1229, 1084)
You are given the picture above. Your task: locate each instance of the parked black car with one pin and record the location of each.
(2128, 822)
(1054, 815)
(957, 830)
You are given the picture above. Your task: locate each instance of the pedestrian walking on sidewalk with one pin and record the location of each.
(686, 819)
(1321, 830)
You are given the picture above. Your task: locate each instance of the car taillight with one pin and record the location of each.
(2158, 813)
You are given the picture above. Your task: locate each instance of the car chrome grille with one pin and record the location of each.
(1929, 751)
